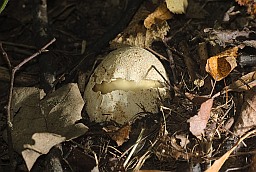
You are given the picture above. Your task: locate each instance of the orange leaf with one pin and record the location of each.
(221, 65)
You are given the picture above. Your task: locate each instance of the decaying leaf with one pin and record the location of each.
(247, 118)
(221, 65)
(160, 14)
(250, 4)
(231, 37)
(136, 34)
(246, 82)
(177, 6)
(77, 159)
(122, 135)
(218, 163)
(183, 140)
(198, 100)
(42, 122)
(198, 122)
(169, 147)
(229, 13)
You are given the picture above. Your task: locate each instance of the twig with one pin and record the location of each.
(9, 111)
(172, 65)
(19, 45)
(5, 57)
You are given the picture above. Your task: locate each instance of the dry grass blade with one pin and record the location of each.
(218, 163)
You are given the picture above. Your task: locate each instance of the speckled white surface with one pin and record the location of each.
(131, 64)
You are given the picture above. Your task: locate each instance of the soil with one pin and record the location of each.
(83, 30)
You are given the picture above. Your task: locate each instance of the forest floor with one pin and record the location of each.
(210, 115)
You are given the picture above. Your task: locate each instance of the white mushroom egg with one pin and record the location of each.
(124, 84)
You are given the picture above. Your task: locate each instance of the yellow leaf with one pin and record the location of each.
(177, 6)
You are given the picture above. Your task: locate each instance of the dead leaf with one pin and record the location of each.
(198, 122)
(183, 140)
(195, 99)
(136, 34)
(77, 159)
(247, 118)
(246, 82)
(160, 14)
(122, 135)
(42, 122)
(250, 4)
(231, 37)
(218, 163)
(177, 6)
(221, 65)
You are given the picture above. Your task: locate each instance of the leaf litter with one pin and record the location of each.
(41, 121)
(212, 135)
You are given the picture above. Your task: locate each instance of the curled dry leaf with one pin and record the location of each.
(177, 6)
(221, 65)
(160, 14)
(247, 118)
(246, 82)
(136, 34)
(42, 122)
(199, 121)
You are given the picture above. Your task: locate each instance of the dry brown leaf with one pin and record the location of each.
(198, 100)
(160, 14)
(221, 65)
(250, 4)
(218, 163)
(42, 122)
(177, 6)
(246, 82)
(247, 118)
(122, 135)
(136, 34)
(198, 122)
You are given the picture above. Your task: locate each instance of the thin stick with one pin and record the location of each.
(9, 110)
(6, 57)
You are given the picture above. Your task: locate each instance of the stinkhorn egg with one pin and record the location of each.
(128, 81)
